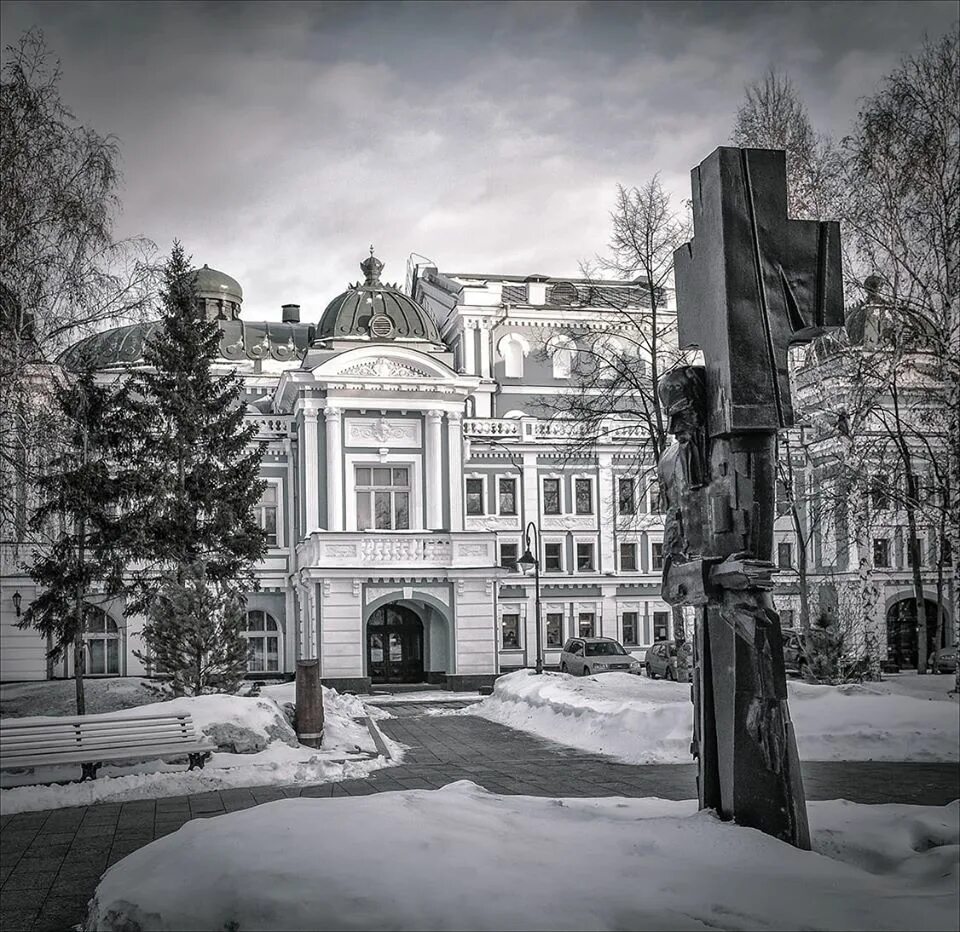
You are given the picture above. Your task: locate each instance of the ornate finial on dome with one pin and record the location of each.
(371, 269)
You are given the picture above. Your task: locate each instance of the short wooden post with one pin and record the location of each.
(309, 716)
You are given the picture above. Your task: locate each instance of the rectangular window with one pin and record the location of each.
(383, 498)
(879, 493)
(267, 514)
(507, 499)
(585, 562)
(586, 622)
(783, 499)
(785, 555)
(551, 496)
(656, 555)
(631, 629)
(554, 629)
(661, 626)
(508, 556)
(626, 502)
(654, 495)
(553, 558)
(786, 618)
(475, 497)
(628, 558)
(583, 491)
(510, 626)
(881, 551)
(909, 549)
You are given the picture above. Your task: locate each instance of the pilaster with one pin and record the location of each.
(334, 468)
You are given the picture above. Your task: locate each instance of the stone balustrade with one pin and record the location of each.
(480, 427)
(270, 425)
(396, 549)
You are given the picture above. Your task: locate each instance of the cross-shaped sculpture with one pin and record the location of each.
(750, 283)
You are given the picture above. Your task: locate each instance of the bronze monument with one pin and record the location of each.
(749, 284)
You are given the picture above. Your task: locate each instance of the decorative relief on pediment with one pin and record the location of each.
(381, 367)
(382, 431)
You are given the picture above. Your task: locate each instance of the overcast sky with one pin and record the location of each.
(279, 140)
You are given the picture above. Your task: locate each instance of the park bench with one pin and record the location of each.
(89, 740)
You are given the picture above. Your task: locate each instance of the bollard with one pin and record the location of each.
(309, 716)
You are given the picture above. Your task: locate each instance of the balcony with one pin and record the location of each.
(270, 426)
(407, 550)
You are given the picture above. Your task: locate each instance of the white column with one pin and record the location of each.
(334, 469)
(485, 335)
(455, 469)
(433, 472)
(311, 473)
(531, 494)
(469, 345)
(605, 513)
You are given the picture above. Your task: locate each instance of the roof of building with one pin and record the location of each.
(375, 310)
(211, 283)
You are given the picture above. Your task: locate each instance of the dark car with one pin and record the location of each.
(944, 660)
(661, 660)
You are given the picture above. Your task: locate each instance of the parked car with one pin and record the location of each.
(661, 660)
(794, 654)
(586, 656)
(944, 660)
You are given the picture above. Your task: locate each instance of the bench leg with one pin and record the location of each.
(89, 771)
(199, 759)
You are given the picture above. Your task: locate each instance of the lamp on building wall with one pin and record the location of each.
(525, 562)
(17, 599)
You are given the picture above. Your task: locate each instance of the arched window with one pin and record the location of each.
(101, 639)
(563, 354)
(264, 643)
(608, 355)
(512, 348)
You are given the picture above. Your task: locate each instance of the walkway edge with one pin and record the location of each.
(381, 745)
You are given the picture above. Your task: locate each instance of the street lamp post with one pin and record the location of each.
(527, 560)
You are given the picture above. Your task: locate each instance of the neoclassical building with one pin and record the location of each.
(408, 444)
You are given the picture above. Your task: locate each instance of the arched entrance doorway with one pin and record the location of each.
(395, 645)
(902, 640)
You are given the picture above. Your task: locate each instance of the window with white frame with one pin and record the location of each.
(586, 624)
(510, 630)
(264, 642)
(656, 555)
(631, 629)
(506, 496)
(266, 513)
(475, 497)
(661, 626)
(909, 550)
(784, 555)
(553, 557)
(512, 349)
(101, 640)
(551, 496)
(563, 355)
(554, 629)
(653, 496)
(628, 557)
(383, 498)
(586, 562)
(509, 554)
(583, 496)
(881, 551)
(626, 497)
(608, 355)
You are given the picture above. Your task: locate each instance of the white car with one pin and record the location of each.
(586, 656)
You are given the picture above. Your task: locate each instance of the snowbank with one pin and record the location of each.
(257, 747)
(58, 697)
(444, 859)
(642, 721)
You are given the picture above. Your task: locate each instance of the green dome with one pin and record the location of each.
(213, 284)
(374, 310)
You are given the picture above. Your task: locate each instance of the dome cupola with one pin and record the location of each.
(218, 293)
(375, 311)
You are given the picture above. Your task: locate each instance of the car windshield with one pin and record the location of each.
(604, 649)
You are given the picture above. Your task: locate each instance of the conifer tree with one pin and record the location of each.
(193, 631)
(195, 475)
(80, 498)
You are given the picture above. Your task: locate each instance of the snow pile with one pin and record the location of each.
(59, 697)
(257, 747)
(445, 859)
(642, 721)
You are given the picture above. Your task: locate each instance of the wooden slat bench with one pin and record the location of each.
(89, 740)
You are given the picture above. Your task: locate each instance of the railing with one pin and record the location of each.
(416, 549)
(548, 429)
(491, 427)
(270, 425)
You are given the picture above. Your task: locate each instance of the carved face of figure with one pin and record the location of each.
(684, 423)
(682, 396)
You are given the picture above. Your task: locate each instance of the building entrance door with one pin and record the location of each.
(395, 645)
(902, 634)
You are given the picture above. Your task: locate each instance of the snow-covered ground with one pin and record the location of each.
(257, 747)
(642, 721)
(464, 858)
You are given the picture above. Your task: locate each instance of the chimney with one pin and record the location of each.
(291, 314)
(536, 289)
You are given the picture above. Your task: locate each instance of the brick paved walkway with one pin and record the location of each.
(50, 861)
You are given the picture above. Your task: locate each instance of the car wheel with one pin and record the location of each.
(586, 671)
(671, 676)
(563, 668)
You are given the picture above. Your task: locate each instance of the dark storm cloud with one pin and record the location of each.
(278, 140)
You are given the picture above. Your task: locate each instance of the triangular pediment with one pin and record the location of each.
(388, 363)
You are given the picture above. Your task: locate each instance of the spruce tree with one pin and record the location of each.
(193, 630)
(78, 517)
(195, 471)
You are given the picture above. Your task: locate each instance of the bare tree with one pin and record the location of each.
(61, 272)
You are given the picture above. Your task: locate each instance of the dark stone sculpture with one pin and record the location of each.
(749, 284)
